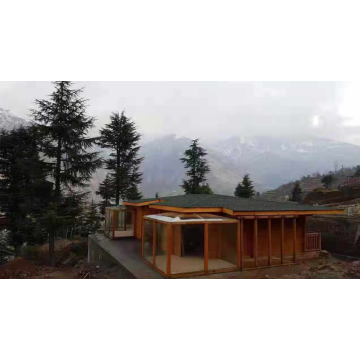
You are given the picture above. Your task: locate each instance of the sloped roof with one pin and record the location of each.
(229, 202)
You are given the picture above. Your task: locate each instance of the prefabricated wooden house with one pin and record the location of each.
(202, 234)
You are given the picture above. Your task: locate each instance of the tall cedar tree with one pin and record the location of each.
(194, 160)
(105, 191)
(24, 191)
(122, 138)
(245, 189)
(63, 125)
(296, 194)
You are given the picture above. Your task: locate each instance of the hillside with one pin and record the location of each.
(310, 183)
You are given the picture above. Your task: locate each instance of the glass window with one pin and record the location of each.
(148, 241)
(161, 246)
(187, 249)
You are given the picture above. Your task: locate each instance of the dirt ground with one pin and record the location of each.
(70, 257)
(322, 268)
(71, 264)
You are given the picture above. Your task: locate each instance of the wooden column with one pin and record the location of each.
(304, 229)
(125, 220)
(206, 247)
(269, 242)
(133, 219)
(256, 242)
(154, 242)
(294, 240)
(238, 245)
(169, 239)
(242, 253)
(142, 236)
(282, 239)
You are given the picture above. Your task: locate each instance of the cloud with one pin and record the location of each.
(208, 109)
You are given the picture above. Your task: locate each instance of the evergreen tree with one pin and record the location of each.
(296, 194)
(245, 189)
(328, 181)
(92, 218)
(156, 195)
(63, 125)
(122, 138)
(194, 160)
(24, 191)
(105, 191)
(6, 249)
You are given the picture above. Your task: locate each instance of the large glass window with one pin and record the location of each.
(124, 226)
(148, 241)
(187, 249)
(161, 250)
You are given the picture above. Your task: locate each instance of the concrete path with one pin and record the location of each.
(127, 253)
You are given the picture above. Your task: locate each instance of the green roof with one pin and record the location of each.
(231, 203)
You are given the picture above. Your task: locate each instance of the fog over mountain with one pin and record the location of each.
(213, 109)
(276, 131)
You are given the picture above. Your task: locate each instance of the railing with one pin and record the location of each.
(313, 242)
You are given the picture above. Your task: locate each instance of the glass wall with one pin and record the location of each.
(124, 223)
(148, 240)
(187, 249)
(161, 243)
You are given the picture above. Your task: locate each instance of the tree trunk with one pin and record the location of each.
(52, 249)
(117, 198)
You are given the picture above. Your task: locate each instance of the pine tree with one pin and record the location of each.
(122, 138)
(296, 194)
(6, 249)
(63, 125)
(245, 189)
(92, 218)
(194, 160)
(24, 191)
(105, 191)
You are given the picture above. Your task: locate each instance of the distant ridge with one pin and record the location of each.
(9, 121)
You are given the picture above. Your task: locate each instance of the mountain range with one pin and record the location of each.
(8, 120)
(270, 161)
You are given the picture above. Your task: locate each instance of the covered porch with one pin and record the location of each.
(119, 222)
(179, 245)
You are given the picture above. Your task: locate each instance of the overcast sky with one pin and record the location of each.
(211, 110)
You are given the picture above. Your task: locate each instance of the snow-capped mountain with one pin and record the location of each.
(8, 120)
(269, 161)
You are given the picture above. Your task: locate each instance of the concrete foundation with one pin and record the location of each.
(125, 253)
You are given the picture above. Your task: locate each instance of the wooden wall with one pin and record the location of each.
(221, 237)
(223, 242)
(275, 236)
(141, 211)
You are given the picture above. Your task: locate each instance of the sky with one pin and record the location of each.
(213, 110)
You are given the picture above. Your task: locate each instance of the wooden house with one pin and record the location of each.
(201, 234)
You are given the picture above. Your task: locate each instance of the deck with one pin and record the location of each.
(125, 252)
